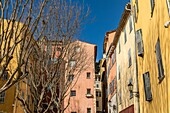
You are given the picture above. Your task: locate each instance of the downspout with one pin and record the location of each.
(137, 86)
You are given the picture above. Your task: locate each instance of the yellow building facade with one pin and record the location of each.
(8, 101)
(153, 54)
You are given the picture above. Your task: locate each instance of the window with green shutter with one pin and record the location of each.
(147, 86)
(159, 61)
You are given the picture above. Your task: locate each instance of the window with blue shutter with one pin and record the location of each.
(139, 42)
(147, 86)
(159, 61)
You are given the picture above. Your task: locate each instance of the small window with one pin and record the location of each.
(125, 38)
(159, 61)
(70, 77)
(88, 75)
(139, 42)
(5, 75)
(97, 85)
(135, 15)
(147, 86)
(131, 92)
(119, 47)
(73, 112)
(137, 6)
(73, 93)
(120, 98)
(88, 91)
(22, 94)
(129, 58)
(168, 5)
(118, 72)
(130, 24)
(152, 6)
(97, 103)
(28, 99)
(88, 110)
(77, 49)
(2, 97)
(72, 63)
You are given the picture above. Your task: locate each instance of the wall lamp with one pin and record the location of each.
(130, 87)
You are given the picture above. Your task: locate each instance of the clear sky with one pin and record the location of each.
(105, 16)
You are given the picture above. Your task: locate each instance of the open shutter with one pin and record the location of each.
(159, 61)
(147, 86)
(139, 42)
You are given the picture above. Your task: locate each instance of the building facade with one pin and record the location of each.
(98, 88)
(126, 64)
(82, 97)
(153, 50)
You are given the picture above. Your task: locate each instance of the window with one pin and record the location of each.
(22, 94)
(118, 72)
(97, 85)
(119, 46)
(137, 6)
(88, 75)
(152, 6)
(135, 15)
(139, 42)
(73, 112)
(111, 87)
(125, 38)
(120, 97)
(129, 58)
(131, 92)
(73, 93)
(97, 103)
(88, 91)
(98, 94)
(77, 49)
(28, 99)
(130, 24)
(70, 77)
(147, 86)
(2, 97)
(159, 61)
(114, 57)
(5, 75)
(88, 110)
(72, 63)
(168, 5)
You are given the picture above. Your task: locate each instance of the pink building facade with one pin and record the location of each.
(82, 96)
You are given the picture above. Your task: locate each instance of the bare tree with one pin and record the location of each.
(58, 58)
(18, 24)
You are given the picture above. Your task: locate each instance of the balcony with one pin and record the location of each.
(89, 95)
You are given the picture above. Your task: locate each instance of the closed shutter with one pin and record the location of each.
(139, 42)
(137, 7)
(152, 6)
(159, 61)
(147, 86)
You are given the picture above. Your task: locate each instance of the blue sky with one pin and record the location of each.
(104, 16)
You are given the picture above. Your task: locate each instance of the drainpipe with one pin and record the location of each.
(136, 64)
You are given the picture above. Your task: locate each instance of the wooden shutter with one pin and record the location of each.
(139, 42)
(147, 86)
(159, 61)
